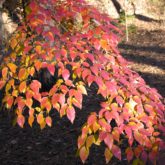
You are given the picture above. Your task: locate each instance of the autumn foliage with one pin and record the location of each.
(71, 46)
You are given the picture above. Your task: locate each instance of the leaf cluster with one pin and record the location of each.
(72, 45)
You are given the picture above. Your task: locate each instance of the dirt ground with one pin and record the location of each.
(57, 145)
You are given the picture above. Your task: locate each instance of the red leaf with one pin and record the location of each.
(129, 154)
(71, 114)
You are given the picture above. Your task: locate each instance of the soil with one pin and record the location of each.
(58, 145)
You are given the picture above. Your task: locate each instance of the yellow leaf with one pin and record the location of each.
(31, 120)
(15, 93)
(14, 43)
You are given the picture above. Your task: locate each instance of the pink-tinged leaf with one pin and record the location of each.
(63, 52)
(109, 140)
(84, 154)
(61, 99)
(108, 155)
(55, 99)
(92, 119)
(85, 73)
(81, 141)
(20, 120)
(35, 86)
(65, 74)
(71, 113)
(129, 154)
(76, 103)
(116, 134)
(51, 69)
(102, 122)
(120, 100)
(48, 121)
(99, 82)
(116, 151)
(108, 115)
(148, 108)
(97, 44)
(94, 69)
(33, 6)
(64, 89)
(20, 102)
(37, 96)
(152, 156)
(105, 75)
(139, 137)
(90, 80)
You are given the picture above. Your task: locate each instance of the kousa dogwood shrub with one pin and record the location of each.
(61, 50)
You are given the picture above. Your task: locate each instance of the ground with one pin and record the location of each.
(57, 145)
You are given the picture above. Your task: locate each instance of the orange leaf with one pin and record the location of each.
(48, 121)
(83, 154)
(12, 67)
(4, 72)
(22, 87)
(14, 43)
(9, 101)
(31, 120)
(104, 44)
(38, 65)
(40, 118)
(89, 141)
(29, 102)
(21, 120)
(22, 75)
(108, 155)
(2, 83)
